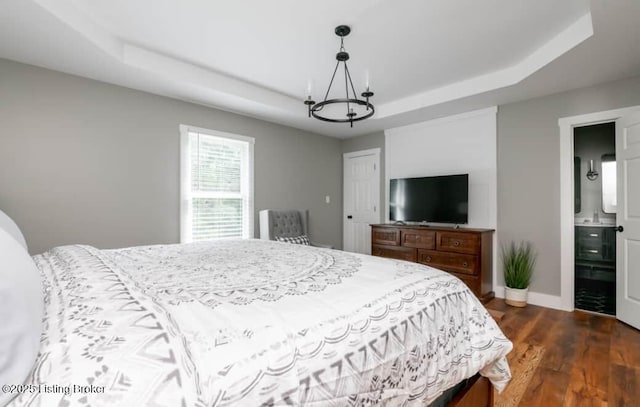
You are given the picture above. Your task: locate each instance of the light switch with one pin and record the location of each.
(327, 199)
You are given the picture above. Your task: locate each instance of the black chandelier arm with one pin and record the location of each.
(346, 85)
(355, 95)
(326, 95)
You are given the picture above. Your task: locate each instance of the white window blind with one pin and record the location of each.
(216, 185)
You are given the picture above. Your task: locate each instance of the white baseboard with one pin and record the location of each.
(543, 300)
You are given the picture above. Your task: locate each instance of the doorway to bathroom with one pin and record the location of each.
(627, 249)
(595, 208)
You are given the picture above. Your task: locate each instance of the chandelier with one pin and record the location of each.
(342, 110)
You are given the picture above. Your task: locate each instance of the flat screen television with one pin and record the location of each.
(440, 199)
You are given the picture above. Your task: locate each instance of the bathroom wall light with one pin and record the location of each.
(592, 174)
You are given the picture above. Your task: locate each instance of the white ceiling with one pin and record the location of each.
(423, 59)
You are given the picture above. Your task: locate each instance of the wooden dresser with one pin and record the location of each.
(465, 253)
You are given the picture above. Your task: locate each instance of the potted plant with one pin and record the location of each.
(517, 261)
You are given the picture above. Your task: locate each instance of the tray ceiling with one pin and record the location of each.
(422, 59)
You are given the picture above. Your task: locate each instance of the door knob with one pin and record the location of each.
(620, 229)
(349, 217)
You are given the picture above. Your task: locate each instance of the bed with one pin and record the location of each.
(254, 323)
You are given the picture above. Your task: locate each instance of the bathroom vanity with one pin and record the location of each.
(595, 268)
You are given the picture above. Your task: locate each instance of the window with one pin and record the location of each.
(216, 185)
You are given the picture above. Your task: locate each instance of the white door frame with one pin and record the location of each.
(376, 153)
(567, 248)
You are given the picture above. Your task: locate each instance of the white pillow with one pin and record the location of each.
(11, 228)
(21, 312)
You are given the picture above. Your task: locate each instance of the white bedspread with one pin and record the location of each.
(255, 323)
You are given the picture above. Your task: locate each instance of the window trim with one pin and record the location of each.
(185, 179)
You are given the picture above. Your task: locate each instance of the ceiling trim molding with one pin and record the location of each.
(573, 35)
(226, 92)
(221, 85)
(224, 88)
(71, 16)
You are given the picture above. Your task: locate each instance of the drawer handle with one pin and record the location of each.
(456, 243)
(592, 251)
(593, 234)
(465, 264)
(428, 258)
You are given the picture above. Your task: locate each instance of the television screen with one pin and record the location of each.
(441, 199)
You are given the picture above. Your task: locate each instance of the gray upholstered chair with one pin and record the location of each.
(287, 224)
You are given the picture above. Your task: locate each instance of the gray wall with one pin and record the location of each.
(529, 169)
(366, 142)
(590, 143)
(87, 162)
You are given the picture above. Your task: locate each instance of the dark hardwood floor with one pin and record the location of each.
(580, 359)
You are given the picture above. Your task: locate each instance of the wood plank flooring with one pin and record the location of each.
(582, 359)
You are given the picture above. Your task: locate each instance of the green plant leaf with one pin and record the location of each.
(518, 261)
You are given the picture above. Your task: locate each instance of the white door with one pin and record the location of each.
(361, 199)
(628, 217)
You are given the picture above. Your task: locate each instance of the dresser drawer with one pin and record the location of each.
(394, 252)
(385, 236)
(589, 237)
(589, 233)
(458, 242)
(590, 253)
(458, 263)
(595, 244)
(422, 239)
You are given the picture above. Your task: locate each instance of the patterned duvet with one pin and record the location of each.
(254, 323)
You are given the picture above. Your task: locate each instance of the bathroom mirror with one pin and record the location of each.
(609, 197)
(577, 205)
